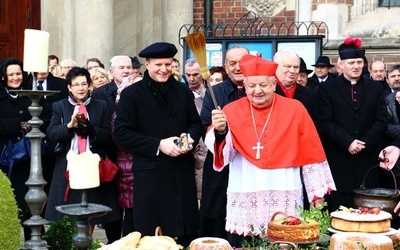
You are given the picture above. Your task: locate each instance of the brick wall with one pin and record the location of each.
(230, 11)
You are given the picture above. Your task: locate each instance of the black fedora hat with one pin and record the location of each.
(135, 62)
(303, 67)
(323, 61)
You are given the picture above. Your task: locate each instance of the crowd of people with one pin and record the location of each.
(266, 139)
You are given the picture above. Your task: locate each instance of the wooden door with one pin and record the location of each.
(15, 17)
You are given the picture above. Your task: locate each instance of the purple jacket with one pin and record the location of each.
(125, 179)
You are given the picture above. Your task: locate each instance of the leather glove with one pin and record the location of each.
(85, 129)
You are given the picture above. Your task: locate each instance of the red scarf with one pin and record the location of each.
(289, 92)
(82, 140)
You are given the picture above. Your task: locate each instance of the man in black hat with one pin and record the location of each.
(322, 72)
(302, 77)
(151, 117)
(353, 122)
(136, 66)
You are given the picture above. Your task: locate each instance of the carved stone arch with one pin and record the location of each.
(265, 8)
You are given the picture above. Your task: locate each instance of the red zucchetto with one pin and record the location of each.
(251, 65)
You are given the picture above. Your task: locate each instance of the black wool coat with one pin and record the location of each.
(54, 84)
(164, 189)
(12, 112)
(107, 193)
(313, 81)
(343, 121)
(306, 96)
(215, 183)
(108, 93)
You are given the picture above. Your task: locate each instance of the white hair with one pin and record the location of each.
(62, 63)
(114, 59)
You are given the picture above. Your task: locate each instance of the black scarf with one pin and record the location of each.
(159, 90)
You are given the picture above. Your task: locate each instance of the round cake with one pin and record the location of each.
(361, 222)
(210, 243)
(357, 241)
(292, 229)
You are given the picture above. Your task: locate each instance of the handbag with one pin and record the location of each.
(15, 153)
(107, 169)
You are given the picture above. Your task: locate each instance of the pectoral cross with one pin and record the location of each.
(258, 147)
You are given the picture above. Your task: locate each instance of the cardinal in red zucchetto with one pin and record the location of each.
(273, 149)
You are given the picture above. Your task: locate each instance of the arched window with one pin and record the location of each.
(389, 3)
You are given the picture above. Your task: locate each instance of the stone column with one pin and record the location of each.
(175, 14)
(93, 30)
(303, 13)
(57, 19)
(336, 20)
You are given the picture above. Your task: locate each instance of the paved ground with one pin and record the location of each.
(99, 233)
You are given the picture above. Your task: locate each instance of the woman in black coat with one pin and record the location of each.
(14, 116)
(64, 128)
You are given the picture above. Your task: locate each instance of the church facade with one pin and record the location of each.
(104, 28)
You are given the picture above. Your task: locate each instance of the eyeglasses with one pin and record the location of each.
(83, 84)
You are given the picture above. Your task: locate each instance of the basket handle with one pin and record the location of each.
(285, 242)
(278, 213)
(362, 186)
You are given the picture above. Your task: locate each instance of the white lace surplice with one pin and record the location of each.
(255, 194)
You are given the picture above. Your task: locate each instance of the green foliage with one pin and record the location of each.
(257, 242)
(95, 244)
(10, 230)
(59, 234)
(318, 214)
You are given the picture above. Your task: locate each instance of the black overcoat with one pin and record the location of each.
(12, 112)
(164, 191)
(343, 121)
(215, 183)
(306, 96)
(108, 93)
(106, 193)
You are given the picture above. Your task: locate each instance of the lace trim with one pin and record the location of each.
(256, 209)
(317, 179)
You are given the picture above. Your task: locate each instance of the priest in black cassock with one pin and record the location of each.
(353, 120)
